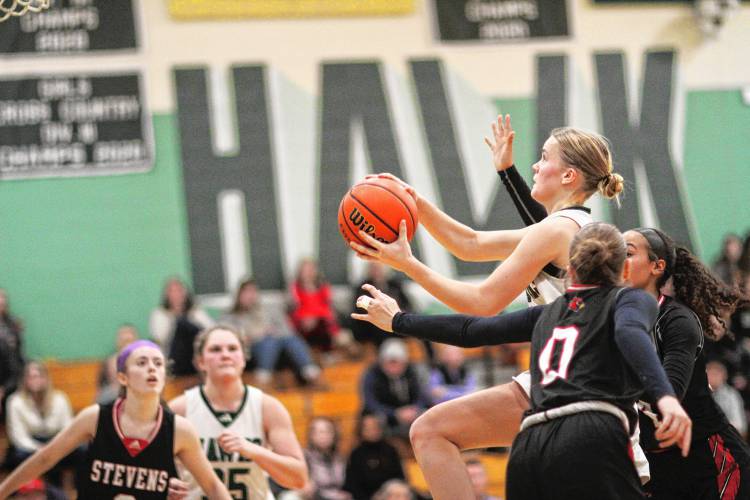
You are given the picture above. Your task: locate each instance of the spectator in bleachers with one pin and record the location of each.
(450, 377)
(392, 389)
(311, 306)
(478, 476)
(175, 324)
(11, 350)
(268, 333)
(373, 461)
(379, 276)
(394, 489)
(36, 413)
(726, 266)
(726, 396)
(108, 386)
(326, 467)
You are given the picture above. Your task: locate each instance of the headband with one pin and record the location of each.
(660, 247)
(128, 349)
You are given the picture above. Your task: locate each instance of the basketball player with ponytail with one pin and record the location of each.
(574, 165)
(132, 442)
(592, 358)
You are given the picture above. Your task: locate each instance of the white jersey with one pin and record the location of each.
(549, 284)
(243, 478)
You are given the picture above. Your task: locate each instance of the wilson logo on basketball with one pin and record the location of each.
(356, 217)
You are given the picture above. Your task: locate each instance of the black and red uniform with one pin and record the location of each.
(589, 346)
(718, 466)
(120, 468)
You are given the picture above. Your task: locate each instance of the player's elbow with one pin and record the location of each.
(468, 247)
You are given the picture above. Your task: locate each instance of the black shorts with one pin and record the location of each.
(717, 468)
(586, 456)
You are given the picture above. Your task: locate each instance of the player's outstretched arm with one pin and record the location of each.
(80, 430)
(188, 449)
(459, 239)
(455, 329)
(284, 461)
(541, 244)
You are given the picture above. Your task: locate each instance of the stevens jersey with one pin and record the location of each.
(243, 478)
(577, 357)
(138, 470)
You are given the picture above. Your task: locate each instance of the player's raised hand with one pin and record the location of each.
(501, 143)
(396, 254)
(676, 427)
(387, 175)
(380, 308)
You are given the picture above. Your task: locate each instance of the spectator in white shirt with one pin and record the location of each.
(726, 396)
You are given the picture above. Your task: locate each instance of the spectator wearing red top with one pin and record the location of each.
(311, 308)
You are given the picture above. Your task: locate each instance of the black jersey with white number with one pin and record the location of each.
(576, 357)
(110, 471)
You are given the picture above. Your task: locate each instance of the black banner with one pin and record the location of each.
(71, 27)
(73, 125)
(499, 20)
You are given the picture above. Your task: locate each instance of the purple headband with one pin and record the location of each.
(125, 353)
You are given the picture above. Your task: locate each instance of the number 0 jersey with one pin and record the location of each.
(576, 357)
(243, 478)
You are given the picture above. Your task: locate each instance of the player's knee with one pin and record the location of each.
(423, 430)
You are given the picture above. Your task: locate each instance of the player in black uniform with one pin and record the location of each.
(718, 466)
(133, 441)
(591, 355)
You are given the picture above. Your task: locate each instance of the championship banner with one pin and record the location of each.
(500, 20)
(73, 125)
(235, 9)
(72, 27)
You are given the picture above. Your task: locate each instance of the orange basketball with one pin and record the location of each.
(377, 206)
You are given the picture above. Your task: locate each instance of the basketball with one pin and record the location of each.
(377, 206)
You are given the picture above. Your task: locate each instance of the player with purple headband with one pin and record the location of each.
(132, 443)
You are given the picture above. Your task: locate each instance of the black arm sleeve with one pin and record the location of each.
(680, 337)
(528, 208)
(469, 331)
(635, 313)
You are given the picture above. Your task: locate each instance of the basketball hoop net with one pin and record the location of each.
(17, 8)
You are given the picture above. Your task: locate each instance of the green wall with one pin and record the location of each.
(80, 256)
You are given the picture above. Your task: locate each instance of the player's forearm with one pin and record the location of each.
(217, 491)
(289, 472)
(469, 331)
(457, 238)
(465, 298)
(32, 468)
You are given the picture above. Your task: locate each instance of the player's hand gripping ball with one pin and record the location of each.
(377, 206)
